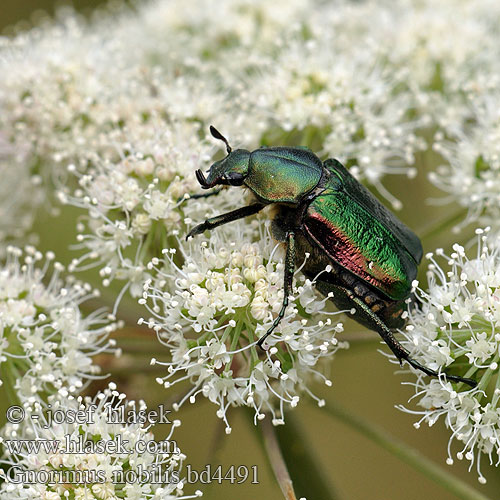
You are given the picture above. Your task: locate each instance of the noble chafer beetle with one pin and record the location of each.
(322, 210)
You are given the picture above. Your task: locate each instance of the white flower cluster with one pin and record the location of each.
(210, 311)
(456, 329)
(472, 174)
(102, 449)
(46, 342)
(461, 40)
(20, 194)
(132, 203)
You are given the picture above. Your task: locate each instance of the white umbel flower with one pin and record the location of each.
(456, 328)
(133, 204)
(20, 194)
(211, 309)
(472, 173)
(104, 449)
(46, 342)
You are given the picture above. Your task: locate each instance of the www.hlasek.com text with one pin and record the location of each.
(82, 445)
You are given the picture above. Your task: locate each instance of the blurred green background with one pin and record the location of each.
(363, 381)
(21, 14)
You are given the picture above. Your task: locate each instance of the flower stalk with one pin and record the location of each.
(404, 452)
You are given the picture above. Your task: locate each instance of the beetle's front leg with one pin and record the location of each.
(197, 196)
(218, 220)
(287, 286)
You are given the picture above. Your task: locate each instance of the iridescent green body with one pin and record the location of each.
(283, 175)
(371, 253)
(359, 254)
(361, 235)
(343, 219)
(275, 175)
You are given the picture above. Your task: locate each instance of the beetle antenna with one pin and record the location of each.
(215, 133)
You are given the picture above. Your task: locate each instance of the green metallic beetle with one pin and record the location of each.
(322, 210)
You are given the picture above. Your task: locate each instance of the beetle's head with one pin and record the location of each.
(230, 171)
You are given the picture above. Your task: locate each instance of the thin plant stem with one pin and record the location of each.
(276, 458)
(436, 227)
(305, 467)
(217, 443)
(405, 453)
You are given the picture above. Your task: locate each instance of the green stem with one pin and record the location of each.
(217, 443)
(253, 351)
(307, 471)
(290, 455)
(405, 452)
(496, 393)
(9, 382)
(147, 242)
(234, 342)
(226, 333)
(208, 335)
(437, 227)
(485, 379)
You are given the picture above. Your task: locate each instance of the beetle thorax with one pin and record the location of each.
(283, 175)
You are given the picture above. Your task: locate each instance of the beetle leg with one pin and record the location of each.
(218, 220)
(287, 285)
(199, 195)
(384, 331)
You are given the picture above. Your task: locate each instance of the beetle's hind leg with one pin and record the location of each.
(384, 331)
(287, 286)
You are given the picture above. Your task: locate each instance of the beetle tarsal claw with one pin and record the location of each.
(432, 373)
(195, 231)
(260, 343)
